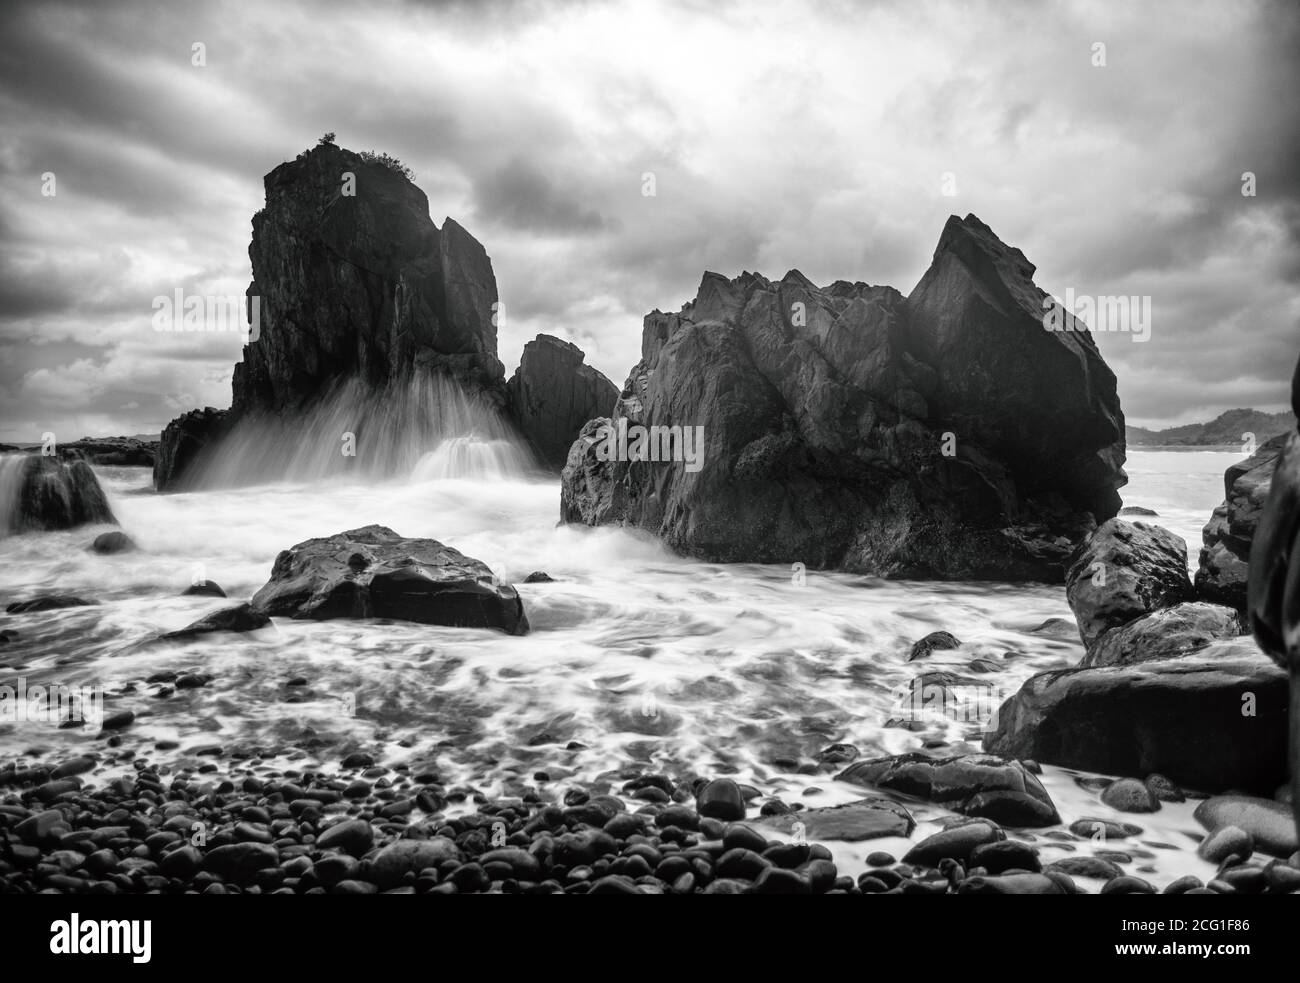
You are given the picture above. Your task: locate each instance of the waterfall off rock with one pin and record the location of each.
(423, 426)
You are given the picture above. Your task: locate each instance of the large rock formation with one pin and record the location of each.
(1212, 721)
(374, 573)
(552, 394)
(38, 492)
(946, 434)
(359, 285)
(1225, 557)
(365, 318)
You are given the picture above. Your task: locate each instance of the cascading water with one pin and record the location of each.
(12, 468)
(424, 426)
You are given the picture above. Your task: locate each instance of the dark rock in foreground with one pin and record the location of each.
(1215, 720)
(1221, 576)
(845, 427)
(1165, 634)
(373, 572)
(981, 785)
(51, 494)
(863, 819)
(1269, 824)
(552, 394)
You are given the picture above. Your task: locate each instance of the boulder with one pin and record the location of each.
(1124, 571)
(553, 394)
(843, 426)
(48, 602)
(1214, 720)
(113, 542)
(1165, 634)
(1273, 600)
(983, 785)
(862, 819)
(373, 572)
(1269, 824)
(39, 492)
(241, 618)
(1221, 575)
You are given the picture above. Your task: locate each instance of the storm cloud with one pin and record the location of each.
(835, 138)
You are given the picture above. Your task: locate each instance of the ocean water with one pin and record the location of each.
(638, 659)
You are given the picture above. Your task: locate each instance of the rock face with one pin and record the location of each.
(182, 443)
(359, 285)
(373, 572)
(552, 394)
(40, 493)
(1211, 721)
(849, 427)
(1225, 555)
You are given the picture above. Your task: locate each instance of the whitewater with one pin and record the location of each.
(637, 659)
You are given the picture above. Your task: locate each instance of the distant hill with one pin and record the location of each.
(1226, 428)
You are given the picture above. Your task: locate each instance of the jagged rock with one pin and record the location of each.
(357, 295)
(112, 451)
(552, 394)
(373, 572)
(183, 444)
(1124, 571)
(1166, 633)
(1221, 575)
(981, 785)
(843, 427)
(1214, 720)
(361, 285)
(39, 492)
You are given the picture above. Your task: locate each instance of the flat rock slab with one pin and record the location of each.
(983, 785)
(862, 819)
(1271, 823)
(373, 572)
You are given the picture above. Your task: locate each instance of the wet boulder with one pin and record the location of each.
(372, 572)
(1124, 571)
(1214, 720)
(983, 785)
(39, 492)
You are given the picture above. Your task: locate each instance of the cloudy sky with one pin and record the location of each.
(812, 135)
